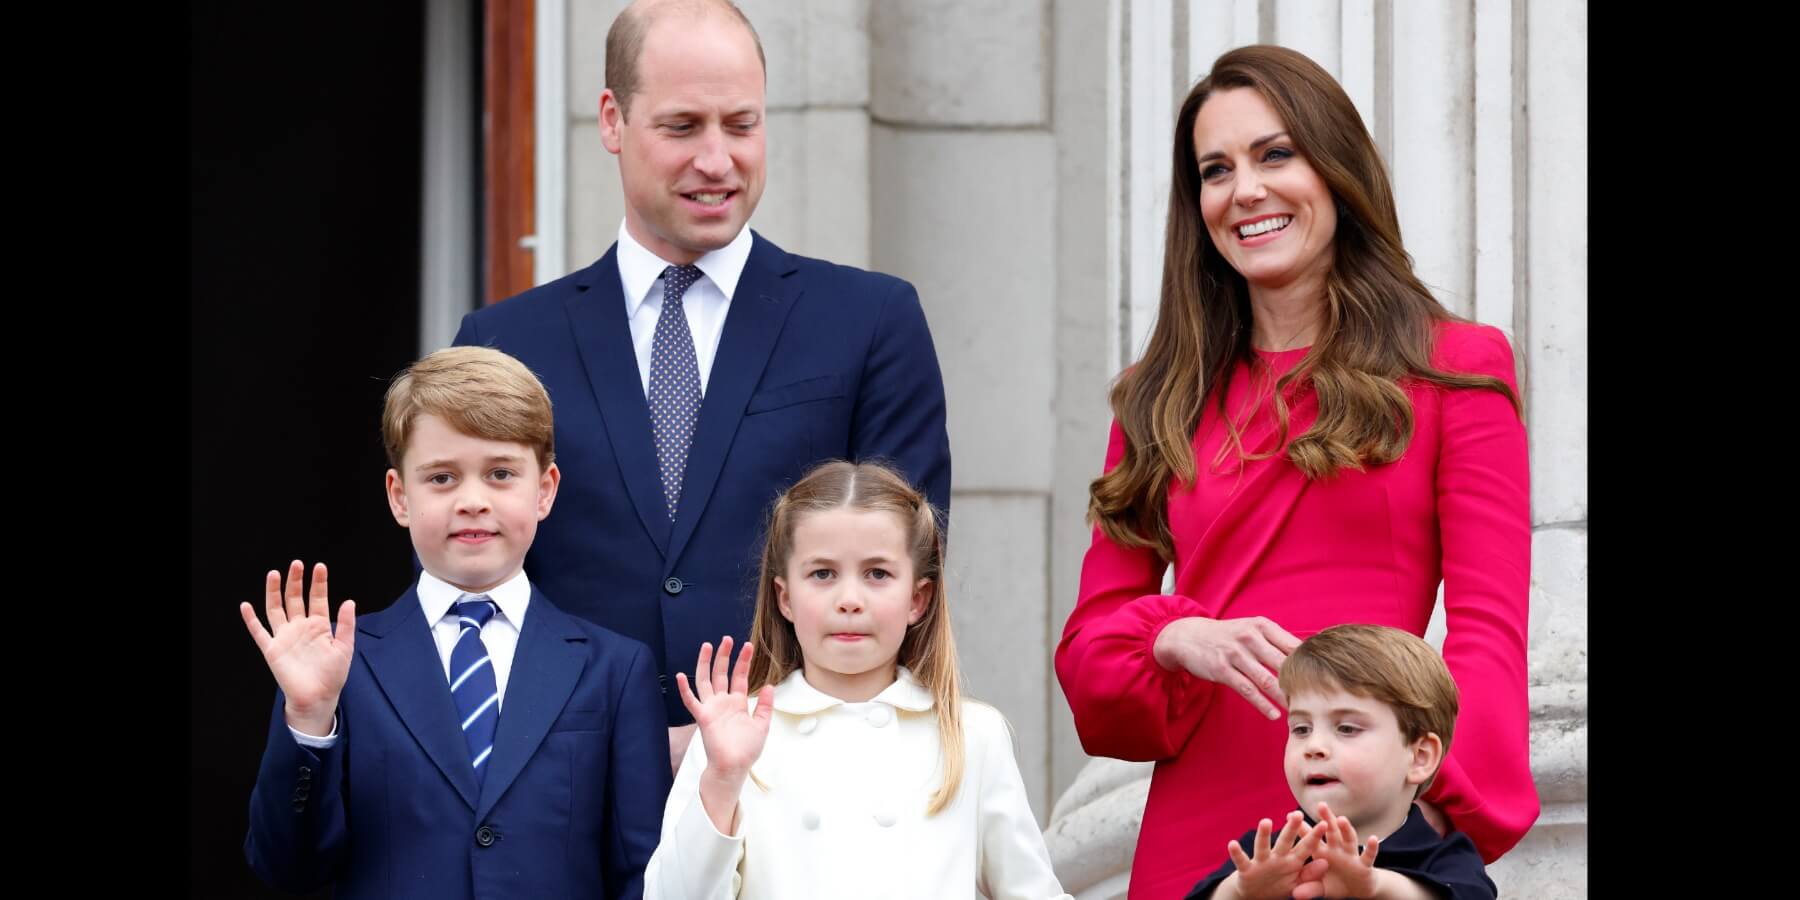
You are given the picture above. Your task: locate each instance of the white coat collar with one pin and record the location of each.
(796, 697)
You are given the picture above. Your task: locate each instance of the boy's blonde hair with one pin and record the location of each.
(480, 392)
(1385, 664)
(928, 650)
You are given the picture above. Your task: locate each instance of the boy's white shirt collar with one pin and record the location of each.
(795, 696)
(639, 268)
(436, 596)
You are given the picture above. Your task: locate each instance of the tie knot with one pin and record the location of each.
(677, 279)
(478, 609)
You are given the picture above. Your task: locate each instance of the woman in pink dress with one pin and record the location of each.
(1309, 439)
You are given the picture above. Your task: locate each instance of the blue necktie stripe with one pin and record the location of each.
(476, 715)
(466, 673)
(475, 689)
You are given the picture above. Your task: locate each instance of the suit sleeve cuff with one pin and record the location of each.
(316, 743)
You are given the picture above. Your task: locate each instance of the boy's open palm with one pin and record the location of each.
(1278, 867)
(1350, 871)
(308, 661)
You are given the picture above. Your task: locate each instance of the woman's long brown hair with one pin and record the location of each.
(1376, 328)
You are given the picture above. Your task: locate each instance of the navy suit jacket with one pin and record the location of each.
(571, 805)
(817, 361)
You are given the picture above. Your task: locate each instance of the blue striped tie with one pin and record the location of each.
(472, 681)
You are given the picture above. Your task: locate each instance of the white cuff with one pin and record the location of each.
(316, 743)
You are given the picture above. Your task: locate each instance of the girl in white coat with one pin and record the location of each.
(857, 770)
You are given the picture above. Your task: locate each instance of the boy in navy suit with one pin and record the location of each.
(471, 740)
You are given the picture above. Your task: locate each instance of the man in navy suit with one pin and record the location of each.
(676, 432)
(471, 740)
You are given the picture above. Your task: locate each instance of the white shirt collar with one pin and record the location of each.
(639, 268)
(436, 596)
(796, 696)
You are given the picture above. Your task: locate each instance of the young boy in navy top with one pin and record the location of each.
(1370, 713)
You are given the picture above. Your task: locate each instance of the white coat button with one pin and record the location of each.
(885, 819)
(879, 715)
(808, 724)
(809, 820)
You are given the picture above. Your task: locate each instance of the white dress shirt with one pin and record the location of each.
(706, 301)
(844, 813)
(500, 635)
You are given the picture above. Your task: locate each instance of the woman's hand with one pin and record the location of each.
(1242, 654)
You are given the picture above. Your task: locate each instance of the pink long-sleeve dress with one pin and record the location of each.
(1366, 546)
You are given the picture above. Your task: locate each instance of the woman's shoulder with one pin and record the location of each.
(1471, 347)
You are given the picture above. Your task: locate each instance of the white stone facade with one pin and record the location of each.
(1010, 158)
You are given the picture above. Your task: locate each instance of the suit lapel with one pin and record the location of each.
(603, 338)
(397, 646)
(759, 308)
(546, 666)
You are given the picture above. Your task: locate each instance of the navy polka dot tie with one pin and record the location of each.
(674, 383)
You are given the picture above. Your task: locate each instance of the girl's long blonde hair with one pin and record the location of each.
(929, 649)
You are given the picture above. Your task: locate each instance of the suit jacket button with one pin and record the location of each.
(673, 585)
(305, 772)
(299, 804)
(486, 836)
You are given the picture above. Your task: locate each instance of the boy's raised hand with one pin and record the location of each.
(308, 661)
(1275, 869)
(1348, 872)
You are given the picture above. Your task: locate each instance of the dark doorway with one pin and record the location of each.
(305, 131)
